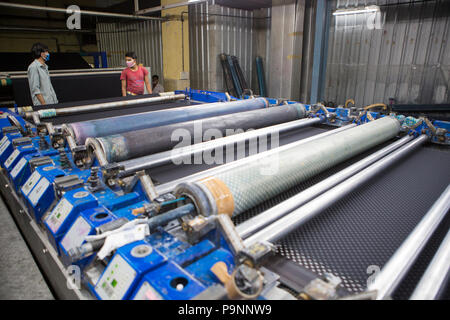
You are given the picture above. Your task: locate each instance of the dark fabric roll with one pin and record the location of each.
(138, 143)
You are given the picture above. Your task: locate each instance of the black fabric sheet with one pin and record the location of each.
(73, 88)
(19, 61)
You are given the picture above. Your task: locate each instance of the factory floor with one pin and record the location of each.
(20, 277)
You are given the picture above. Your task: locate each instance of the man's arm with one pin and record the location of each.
(147, 84)
(124, 88)
(35, 85)
(40, 98)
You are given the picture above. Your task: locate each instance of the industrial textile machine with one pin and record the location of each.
(199, 195)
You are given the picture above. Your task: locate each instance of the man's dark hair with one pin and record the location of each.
(37, 49)
(131, 54)
(155, 76)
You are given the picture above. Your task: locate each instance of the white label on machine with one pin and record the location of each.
(76, 234)
(59, 214)
(4, 146)
(11, 158)
(3, 141)
(116, 280)
(31, 182)
(19, 166)
(147, 292)
(37, 192)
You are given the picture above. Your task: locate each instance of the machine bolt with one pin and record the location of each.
(93, 178)
(29, 130)
(43, 144)
(63, 159)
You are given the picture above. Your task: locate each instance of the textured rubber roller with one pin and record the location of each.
(250, 184)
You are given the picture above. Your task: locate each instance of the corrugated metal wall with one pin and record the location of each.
(199, 56)
(143, 37)
(214, 29)
(406, 57)
(286, 48)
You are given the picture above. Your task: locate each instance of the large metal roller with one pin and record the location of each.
(51, 112)
(236, 190)
(105, 127)
(139, 143)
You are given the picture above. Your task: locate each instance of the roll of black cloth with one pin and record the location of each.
(143, 142)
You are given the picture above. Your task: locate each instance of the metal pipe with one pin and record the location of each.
(71, 142)
(50, 113)
(170, 186)
(147, 185)
(13, 74)
(398, 265)
(83, 12)
(114, 125)
(134, 144)
(296, 218)
(50, 128)
(436, 276)
(233, 239)
(94, 147)
(165, 218)
(46, 30)
(177, 155)
(258, 222)
(169, 6)
(56, 75)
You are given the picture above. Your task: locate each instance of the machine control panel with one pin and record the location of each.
(116, 279)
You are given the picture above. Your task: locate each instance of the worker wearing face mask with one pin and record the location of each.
(156, 87)
(41, 88)
(134, 77)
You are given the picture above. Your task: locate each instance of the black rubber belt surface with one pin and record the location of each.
(365, 228)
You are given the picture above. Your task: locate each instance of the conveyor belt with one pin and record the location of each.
(118, 112)
(366, 227)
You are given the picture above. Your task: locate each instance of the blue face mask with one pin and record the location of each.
(47, 57)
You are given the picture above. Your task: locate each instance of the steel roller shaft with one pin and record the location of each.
(143, 142)
(436, 276)
(398, 265)
(108, 126)
(180, 154)
(234, 191)
(50, 113)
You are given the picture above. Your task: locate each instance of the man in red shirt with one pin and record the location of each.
(134, 77)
